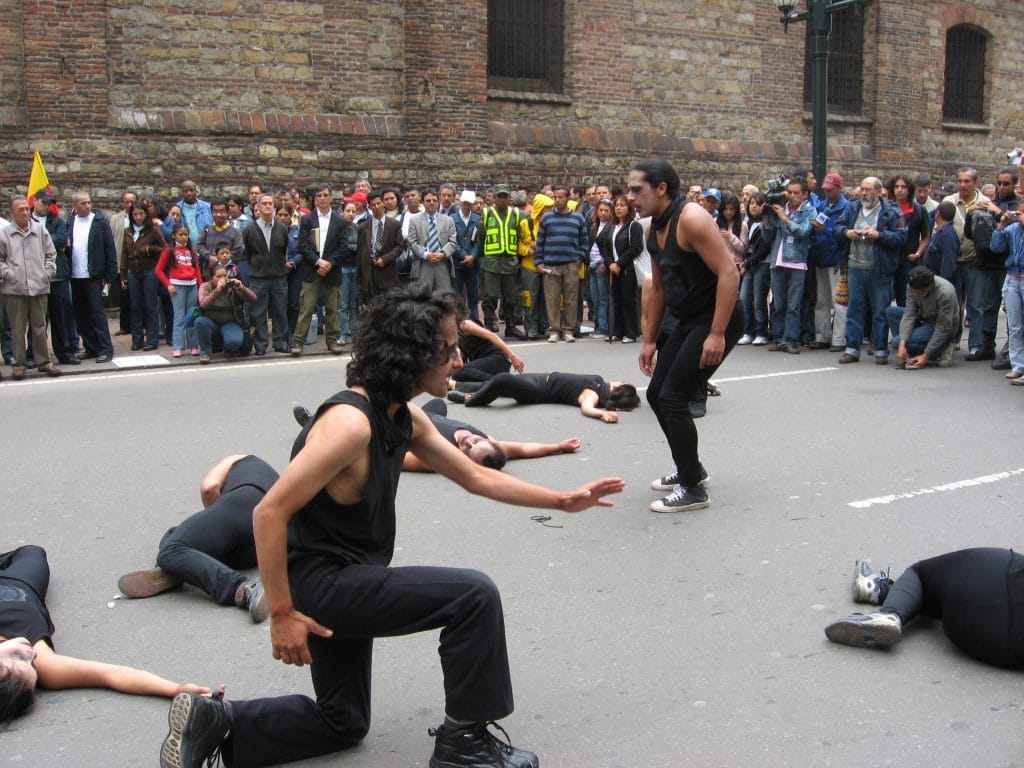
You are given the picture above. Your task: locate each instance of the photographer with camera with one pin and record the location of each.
(220, 301)
(789, 227)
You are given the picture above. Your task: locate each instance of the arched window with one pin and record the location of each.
(525, 45)
(964, 96)
(845, 62)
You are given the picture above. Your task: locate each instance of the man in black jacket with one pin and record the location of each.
(93, 267)
(266, 246)
(63, 335)
(322, 246)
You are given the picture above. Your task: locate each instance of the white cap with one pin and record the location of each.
(467, 196)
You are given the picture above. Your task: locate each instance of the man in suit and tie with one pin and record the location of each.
(433, 242)
(321, 244)
(266, 246)
(379, 245)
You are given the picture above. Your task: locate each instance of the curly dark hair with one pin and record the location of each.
(16, 698)
(399, 340)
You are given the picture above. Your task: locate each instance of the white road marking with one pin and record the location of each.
(953, 486)
(763, 376)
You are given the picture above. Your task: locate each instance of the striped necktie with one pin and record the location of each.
(432, 243)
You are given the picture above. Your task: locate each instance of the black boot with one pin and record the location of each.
(476, 747)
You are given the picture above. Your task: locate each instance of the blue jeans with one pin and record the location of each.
(183, 299)
(867, 288)
(599, 299)
(271, 297)
(788, 293)
(983, 293)
(534, 316)
(231, 335)
(919, 337)
(1013, 296)
(348, 307)
(145, 308)
(468, 281)
(754, 297)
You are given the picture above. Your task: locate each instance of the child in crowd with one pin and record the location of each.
(178, 269)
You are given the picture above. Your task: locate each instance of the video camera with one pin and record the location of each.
(775, 192)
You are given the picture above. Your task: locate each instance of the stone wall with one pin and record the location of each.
(148, 93)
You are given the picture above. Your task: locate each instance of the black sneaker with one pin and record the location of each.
(683, 499)
(455, 396)
(670, 481)
(302, 415)
(199, 726)
(250, 596)
(476, 747)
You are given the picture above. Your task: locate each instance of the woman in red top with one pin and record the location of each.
(178, 269)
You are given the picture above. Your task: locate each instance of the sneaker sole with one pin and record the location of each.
(658, 506)
(657, 485)
(146, 583)
(858, 635)
(177, 722)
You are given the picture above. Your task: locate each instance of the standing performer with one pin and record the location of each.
(332, 589)
(695, 278)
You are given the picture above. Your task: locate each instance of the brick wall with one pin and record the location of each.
(146, 93)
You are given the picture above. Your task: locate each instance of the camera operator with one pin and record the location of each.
(220, 300)
(790, 230)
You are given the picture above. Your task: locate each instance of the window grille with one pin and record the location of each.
(964, 95)
(525, 45)
(845, 62)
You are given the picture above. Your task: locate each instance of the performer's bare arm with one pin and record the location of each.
(514, 450)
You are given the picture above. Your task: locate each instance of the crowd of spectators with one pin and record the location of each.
(822, 267)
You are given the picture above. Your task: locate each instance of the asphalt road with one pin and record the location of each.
(636, 639)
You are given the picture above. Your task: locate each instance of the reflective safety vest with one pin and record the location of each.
(501, 238)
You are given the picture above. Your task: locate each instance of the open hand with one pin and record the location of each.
(288, 637)
(592, 494)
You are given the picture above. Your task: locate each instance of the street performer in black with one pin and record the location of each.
(693, 277)
(325, 535)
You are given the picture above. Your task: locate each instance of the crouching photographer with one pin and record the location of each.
(223, 316)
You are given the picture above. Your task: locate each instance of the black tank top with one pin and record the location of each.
(362, 532)
(23, 613)
(448, 427)
(566, 388)
(690, 286)
(249, 471)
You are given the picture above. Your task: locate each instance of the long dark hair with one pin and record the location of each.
(595, 223)
(728, 198)
(630, 209)
(147, 222)
(16, 698)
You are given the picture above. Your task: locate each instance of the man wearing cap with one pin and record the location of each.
(501, 262)
(360, 199)
(433, 244)
(468, 242)
(710, 201)
(828, 254)
(63, 335)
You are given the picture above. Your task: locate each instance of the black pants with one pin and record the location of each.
(623, 305)
(208, 548)
(27, 564)
(978, 594)
(360, 602)
(483, 368)
(91, 316)
(677, 376)
(63, 333)
(524, 388)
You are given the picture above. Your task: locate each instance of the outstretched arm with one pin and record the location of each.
(588, 405)
(57, 671)
(439, 455)
(514, 450)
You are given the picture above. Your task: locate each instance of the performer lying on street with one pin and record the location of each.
(325, 536)
(595, 397)
(977, 594)
(207, 549)
(27, 656)
(479, 446)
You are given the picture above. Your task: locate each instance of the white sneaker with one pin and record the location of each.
(866, 630)
(946, 358)
(553, 338)
(760, 341)
(745, 339)
(570, 339)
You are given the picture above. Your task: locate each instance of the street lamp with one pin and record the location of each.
(817, 17)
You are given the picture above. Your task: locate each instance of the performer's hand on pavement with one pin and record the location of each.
(193, 688)
(647, 353)
(570, 445)
(610, 417)
(592, 494)
(517, 363)
(288, 637)
(713, 350)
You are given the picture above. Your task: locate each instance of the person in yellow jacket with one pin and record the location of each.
(535, 320)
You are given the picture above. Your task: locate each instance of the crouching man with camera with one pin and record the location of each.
(223, 316)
